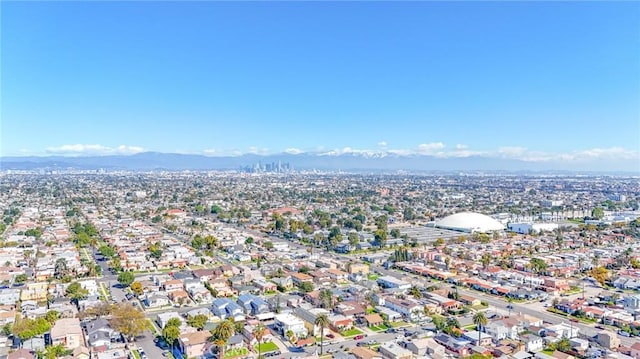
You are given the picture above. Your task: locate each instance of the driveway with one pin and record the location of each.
(146, 343)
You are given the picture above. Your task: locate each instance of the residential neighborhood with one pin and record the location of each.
(225, 265)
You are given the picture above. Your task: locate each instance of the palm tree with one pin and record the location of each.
(480, 320)
(258, 333)
(322, 321)
(221, 335)
(326, 298)
(220, 343)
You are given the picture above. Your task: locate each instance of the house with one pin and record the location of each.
(455, 345)
(392, 282)
(308, 314)
(358, 268)
(410, 309)
(365, 353)
(253, 304)
(227, 308)
(156, 300)
(163, 318)
(373, 320)
(340, 322)
(635, 350)
(284, 282)
(504, 328)
(426, 346)
(21, 354)
(299, 278)
(266, 287)
(472, 336)
(119, 353)
(608, 340)
(287, 322)
(337, 275)
(532, 342)
(179, 296)
(99, 333)
(193, 344)
(469, 300)
(391, 350)
(67, 331)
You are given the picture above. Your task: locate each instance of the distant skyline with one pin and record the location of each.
(534, 81)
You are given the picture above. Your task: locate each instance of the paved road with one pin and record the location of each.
(587, 329)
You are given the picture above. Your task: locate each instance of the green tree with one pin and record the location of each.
(174, 322)
(60, 269)
(600, 274)
(198, 321)
(136, 288)
(415, 292)
(597, 213)
(170, 333)
(107, 251)
(155, 250)
(322, 321)
(221, 334)
(326, 298)
(126, 278)
(485, 260)
(75, 292)
(128, 320)
(52, 316)
(306, 287)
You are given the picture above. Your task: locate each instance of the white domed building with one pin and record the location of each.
(470, 222)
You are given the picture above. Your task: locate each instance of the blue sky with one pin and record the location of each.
(532, 80)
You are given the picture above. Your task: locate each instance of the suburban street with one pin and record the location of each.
(501, 305)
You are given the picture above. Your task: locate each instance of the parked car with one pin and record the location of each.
(624, 334)
(359, 337)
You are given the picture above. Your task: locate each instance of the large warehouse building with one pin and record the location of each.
(470, 222)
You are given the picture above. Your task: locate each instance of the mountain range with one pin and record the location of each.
(356, 162)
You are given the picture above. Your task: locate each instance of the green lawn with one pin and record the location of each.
(267, 347)
(372, 276)
(399, 324)
(231, 353)
(351, 332)
(136, 355)
(379, 328)
(151, 327)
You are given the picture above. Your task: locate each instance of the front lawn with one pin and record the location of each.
(267, 347)
(379, 328)
(151, 327)
(399, 324)
(232, 353)
(372, 276)
(351, 332)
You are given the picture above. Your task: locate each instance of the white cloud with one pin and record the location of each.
(382, 143)
(81, 149)
(461, 147)
(293, 151)
(430, 148)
